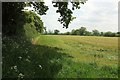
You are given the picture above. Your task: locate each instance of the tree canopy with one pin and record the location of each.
(66, 13)
(11, 11)
(56, 32)
(95, 32)
(82, 31)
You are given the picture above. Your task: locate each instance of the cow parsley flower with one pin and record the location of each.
(40, 66)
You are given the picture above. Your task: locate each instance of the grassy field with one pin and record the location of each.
(60, 56)
(97, 51)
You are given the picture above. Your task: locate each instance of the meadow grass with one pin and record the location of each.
(84, 48)
(101, 51)
(60, 56)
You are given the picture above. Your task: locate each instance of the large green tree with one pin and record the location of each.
(56, 32)
(82, 30)
(11, 10)
(95, 32)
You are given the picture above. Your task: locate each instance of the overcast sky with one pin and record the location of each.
(94, 14)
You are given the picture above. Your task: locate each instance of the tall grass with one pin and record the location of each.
(59, 57)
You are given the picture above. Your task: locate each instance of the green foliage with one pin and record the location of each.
(66, 13)
(25, 19)
(67, 33)
(109, 34)
(12, 10)
(82, 30)
(10, 13)
(21, 59)
(118, 34)
(87, 33)
(95, 32)
(29, 31)
(101, 33)
(39, 7)
(59, 57)
(75, 32)
(35, 19)
(56, 32)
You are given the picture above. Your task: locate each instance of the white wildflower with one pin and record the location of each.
(40, 66)
(20, 57)
(11, 67)
(28, 56)
(15, 67)
(27, 60)
(21, 75)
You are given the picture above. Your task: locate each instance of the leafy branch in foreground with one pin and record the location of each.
(66, 13)
(12, 10)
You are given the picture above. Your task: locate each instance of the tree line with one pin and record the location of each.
(84, 32)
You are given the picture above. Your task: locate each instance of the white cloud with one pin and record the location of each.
(94, 14)
(48, 2)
